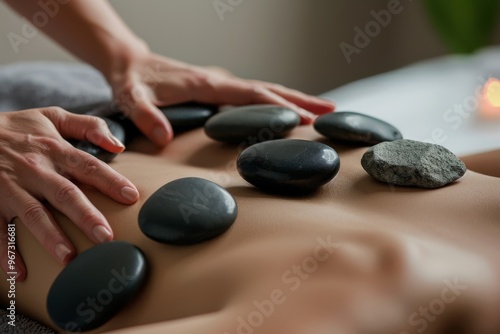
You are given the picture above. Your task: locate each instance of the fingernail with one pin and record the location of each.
(102, 234)
(330, 104)
(160, 134)
(129, 193)
(326, 101)
(62, 252)
(116, 141)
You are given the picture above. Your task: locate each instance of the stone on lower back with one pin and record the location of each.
(96, 285)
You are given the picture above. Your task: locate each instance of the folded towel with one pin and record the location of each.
(75, 87)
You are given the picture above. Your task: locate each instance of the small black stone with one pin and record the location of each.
(96, 285)
(100, 153)
(187, 211)
(355, 128)
(182, 117)
(251, 124)
(288, 165)
(187, 116)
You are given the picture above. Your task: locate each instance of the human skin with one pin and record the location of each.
(392, 251)
(140, 81)
(35, 164)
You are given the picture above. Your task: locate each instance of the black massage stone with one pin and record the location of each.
(355, 128)
(96, 285)
(182, 117)
(187, 116)
(251, 124)
(116, 129)
(288, 166)
(187, 211)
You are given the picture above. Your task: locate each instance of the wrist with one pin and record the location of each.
(122, 58)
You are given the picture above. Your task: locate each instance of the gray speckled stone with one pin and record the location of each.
(355, 128)
(251, 124)
(187, 211)
(412, 163)
(288, 166)
(96, 285)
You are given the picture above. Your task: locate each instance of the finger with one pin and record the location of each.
(83, 127)
(136, 104)
(240, 92)
(70, 200)
(152, 123)
(314, 104)
(91, 171)
(11, 261)
(41, 224)
(263, 95)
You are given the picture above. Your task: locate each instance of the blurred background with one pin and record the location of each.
(298, 43)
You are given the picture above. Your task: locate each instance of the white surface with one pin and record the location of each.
(421, 99)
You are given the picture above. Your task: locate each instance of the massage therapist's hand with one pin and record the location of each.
(35, 164)
(146, 80)
(141, 80)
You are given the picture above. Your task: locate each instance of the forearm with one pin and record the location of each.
(90, 29)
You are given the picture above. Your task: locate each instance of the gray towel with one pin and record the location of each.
(75, 87)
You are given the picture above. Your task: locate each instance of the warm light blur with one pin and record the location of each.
(492, 91)
(490, 99)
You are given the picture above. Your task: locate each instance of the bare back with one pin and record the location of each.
(309, 256)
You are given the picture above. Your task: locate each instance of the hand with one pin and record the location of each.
(148, 80)
(35, 162)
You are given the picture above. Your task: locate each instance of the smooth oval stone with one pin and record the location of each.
(251, 124)
(96, 285)
(413, 164)
(188, 116)
(187, 211)
(116, 129)
(355, 128)
(182, 117)
(288, 165)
